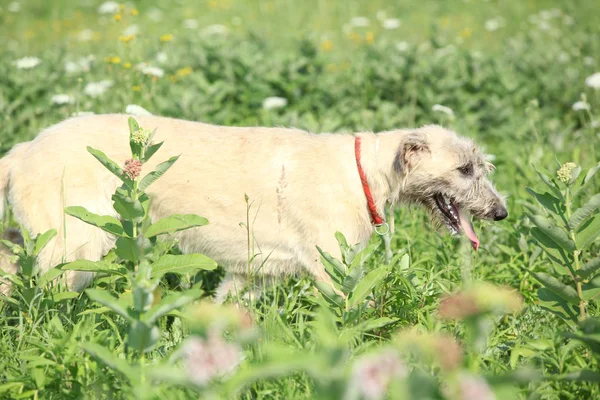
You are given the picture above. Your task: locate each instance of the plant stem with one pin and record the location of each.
(575, 256)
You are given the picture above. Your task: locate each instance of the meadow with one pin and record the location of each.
(425, 317)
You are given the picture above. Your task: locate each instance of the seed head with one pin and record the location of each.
(564, 173)
(133, 168)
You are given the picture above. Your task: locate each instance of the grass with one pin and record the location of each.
(512, 89)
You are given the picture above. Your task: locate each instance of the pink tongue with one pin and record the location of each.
(465, 222)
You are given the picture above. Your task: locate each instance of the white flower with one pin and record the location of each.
(85, 35)
(360, 22)
(95, 89)
(162, 57)
(593, 81)
(274, 102)
(207, 359)
(568, 20)
(81, 65)
(580, 105)
(564, 57)
(216, 29)
(474, 388)
(14, 7)
(391, 23)
(494, 24)
(155, 14)
(402, 46)
(131, 30)
(27, 62)
(108, 7)
(595, 124)
(150, 70)
(61, 99)
(589, 61)
(373, 373)
(82, 113)
(190, 24)
(443, 109)
(134, 109)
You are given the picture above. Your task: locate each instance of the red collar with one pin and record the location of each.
(375, 217)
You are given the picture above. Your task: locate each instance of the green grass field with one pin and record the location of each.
(517, 76)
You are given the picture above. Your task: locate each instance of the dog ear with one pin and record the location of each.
(409, 152)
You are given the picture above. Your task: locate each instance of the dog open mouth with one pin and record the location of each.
(456, 218)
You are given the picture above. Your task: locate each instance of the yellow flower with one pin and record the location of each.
(327, 45)
(126, 39)
(212, 4)
(355, 37)
(136, 88)
(445, 22)
(166, 38)
(331, 67)
(564, 173)
(466, 33)
(113, 60)
(134, 11)
(370, 36)
(184, 71)
(127, 65)
(118, 17)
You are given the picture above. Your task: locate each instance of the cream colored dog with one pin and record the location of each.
(303, 188)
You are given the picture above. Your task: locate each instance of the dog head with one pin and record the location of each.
(447, 174)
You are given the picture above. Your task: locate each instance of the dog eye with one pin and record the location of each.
(466, 169)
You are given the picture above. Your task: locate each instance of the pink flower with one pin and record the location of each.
(373, 373)
(210, 358)
(133, 168)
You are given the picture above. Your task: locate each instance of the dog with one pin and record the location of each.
(301, 187)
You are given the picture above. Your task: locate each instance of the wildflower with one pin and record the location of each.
(210, 358)
(216, 29)
(359, 22)
(134, 12)
(564, 173)
(402, 46)
(466, 33)
(593, 81)
(274, 102)
(96, 89)
(449, 352)
(118, 17)
(327, 45)
(27, 62)
(494, 24)
(355, 37)
(568, 20)
(108, 7)
(132, 168)
(391, 23)
(131, 30)
(152, 71)
(134, 109)
(155, 14)
(85, 35)
(113, 60)
(184, 72)
(580, 106)
(162, 57)
(141, 135)
(369, 37)
(458, 306)
(474, 388)
(14, 7)
(190, 24)
(127, 65)
(443, 109)
(166, 38)
(81, 65)
(61, 99)
(373, 373)
(136, 88)
(589, 61)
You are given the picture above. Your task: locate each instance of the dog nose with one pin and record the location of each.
(500, 213)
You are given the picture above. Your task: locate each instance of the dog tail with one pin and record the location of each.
(6, 166)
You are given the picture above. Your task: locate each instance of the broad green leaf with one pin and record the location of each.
(50, 275)
(65, 296)
(557, 305)
(588, 177)
(109, 359)
(552, 249)
(133, 125)
(549, 183)
(585, 375)
(182, 264)
(153, 148)
(7, 387)
(142, 337)
(550, 203)
(366, 285)
(104, 222)
(136, 148)
(95, 266)
(107, 162)
(42, 240)
(557, 287)
(127, 249)
(175, 223)
(363, 255)
(591, 289)
(334, 267)
(329, 294)
(589, 268)
(588, 232)
(108, 300)
(549, 228)
(170, 303)
(351, 280)
(584, 212)
(365, 326)
(127, 208)
(157, 173)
